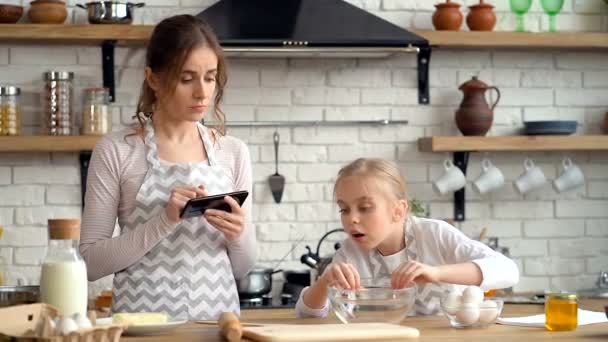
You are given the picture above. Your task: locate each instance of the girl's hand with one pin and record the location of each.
(413, 272)
(342, 275)
(178, 199)
(231, 224)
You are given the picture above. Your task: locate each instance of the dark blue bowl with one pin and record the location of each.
(550, 127)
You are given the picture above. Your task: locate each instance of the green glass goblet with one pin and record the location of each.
(552, 8)
(520, 7)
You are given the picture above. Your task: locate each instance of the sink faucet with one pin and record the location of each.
(602, 281)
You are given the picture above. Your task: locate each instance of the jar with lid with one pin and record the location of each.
(63, 280)
(58, 103)
(561, 311)
(96, 114)
(10, 111)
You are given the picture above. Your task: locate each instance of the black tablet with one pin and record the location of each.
(197, 206)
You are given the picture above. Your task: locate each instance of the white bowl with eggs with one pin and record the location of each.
(469, 309)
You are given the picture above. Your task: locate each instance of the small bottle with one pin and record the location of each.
(96, 114)
(10, 111)
(561, 311)
(63, 281)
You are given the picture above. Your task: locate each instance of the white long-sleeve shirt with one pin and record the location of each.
(431, 242)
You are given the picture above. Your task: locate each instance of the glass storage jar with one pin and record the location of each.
(58, 103)
(10, 111)
(96, 114)
(561, 311)
(63, 279)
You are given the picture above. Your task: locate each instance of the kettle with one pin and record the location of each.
(314, 261)
(475, 116)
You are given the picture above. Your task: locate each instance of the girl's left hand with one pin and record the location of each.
(413, 272)
(231, 224)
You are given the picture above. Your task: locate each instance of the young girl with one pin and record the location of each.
(385, 242)
(144, 175)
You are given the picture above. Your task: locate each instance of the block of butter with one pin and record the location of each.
(139, 318)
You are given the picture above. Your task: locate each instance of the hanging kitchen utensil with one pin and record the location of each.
(276, 181)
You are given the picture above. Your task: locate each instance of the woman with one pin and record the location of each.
(145, 175)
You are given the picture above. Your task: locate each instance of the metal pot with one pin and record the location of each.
(110, 12)
(18, 295)
(256, 283)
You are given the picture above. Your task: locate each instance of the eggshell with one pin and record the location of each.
(452, 302)
(488, 311)
(82, 321)
(472, 294)
(67, 325)
(468, 314)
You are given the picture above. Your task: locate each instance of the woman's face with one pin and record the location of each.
(368, 212)
(194, 90)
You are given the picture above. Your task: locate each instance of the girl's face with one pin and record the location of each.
(195, 87)
(371, 214)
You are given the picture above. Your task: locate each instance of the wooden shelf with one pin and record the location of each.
(76, 34)
(514, 143)
(48, 143)
(139, 35)
(530, 40)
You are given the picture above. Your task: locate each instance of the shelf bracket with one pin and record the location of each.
(461, 159)
(424, 60)
(85, 157)
(107, 64)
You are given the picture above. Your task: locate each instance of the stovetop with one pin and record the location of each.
(284, 301)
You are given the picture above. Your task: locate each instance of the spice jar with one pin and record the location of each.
(561, 311)
(10, 111)
(63, 279)
(96, 114)
(58, 103)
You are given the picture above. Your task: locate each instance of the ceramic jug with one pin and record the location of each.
(474, 116)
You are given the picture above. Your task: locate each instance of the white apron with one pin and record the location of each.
(187, 275)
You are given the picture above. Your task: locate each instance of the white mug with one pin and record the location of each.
(452, 180)
(491, 178)
(572, 177)
(532, 178)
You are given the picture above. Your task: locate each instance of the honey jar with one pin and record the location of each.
(561, 311)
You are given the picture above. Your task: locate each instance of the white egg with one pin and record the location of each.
(82, 321)
(452, 302)
(488, 311)
(67, 325)
(472, 294)
(468, 314)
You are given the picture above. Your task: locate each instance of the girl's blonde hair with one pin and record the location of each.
(379, 169)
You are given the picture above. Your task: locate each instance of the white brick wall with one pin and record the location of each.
(557, 240)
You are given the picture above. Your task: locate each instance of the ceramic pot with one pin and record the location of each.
(447, 16)
(481, 17)
(47, 12)
(475, 116)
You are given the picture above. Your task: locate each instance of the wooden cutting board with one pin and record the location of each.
(329, 332)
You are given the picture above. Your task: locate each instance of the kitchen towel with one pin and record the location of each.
(584, 317)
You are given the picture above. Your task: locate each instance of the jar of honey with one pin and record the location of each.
(561, 311)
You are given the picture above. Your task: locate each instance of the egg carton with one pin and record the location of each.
(32, 323)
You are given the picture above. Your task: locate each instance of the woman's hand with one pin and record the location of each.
(413, 272)
(231, 224)
(178, 199)
(342, 275)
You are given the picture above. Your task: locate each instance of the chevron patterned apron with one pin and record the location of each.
(188, 275)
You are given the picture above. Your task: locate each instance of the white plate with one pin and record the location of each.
(146, 329)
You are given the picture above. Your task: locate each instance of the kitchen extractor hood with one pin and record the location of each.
(312, 28)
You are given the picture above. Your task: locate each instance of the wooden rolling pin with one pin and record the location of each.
(230, 327)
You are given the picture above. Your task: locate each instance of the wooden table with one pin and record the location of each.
(432, 328)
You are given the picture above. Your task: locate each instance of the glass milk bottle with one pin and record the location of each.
(63, 282)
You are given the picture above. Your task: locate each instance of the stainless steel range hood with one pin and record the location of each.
(312, 29)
